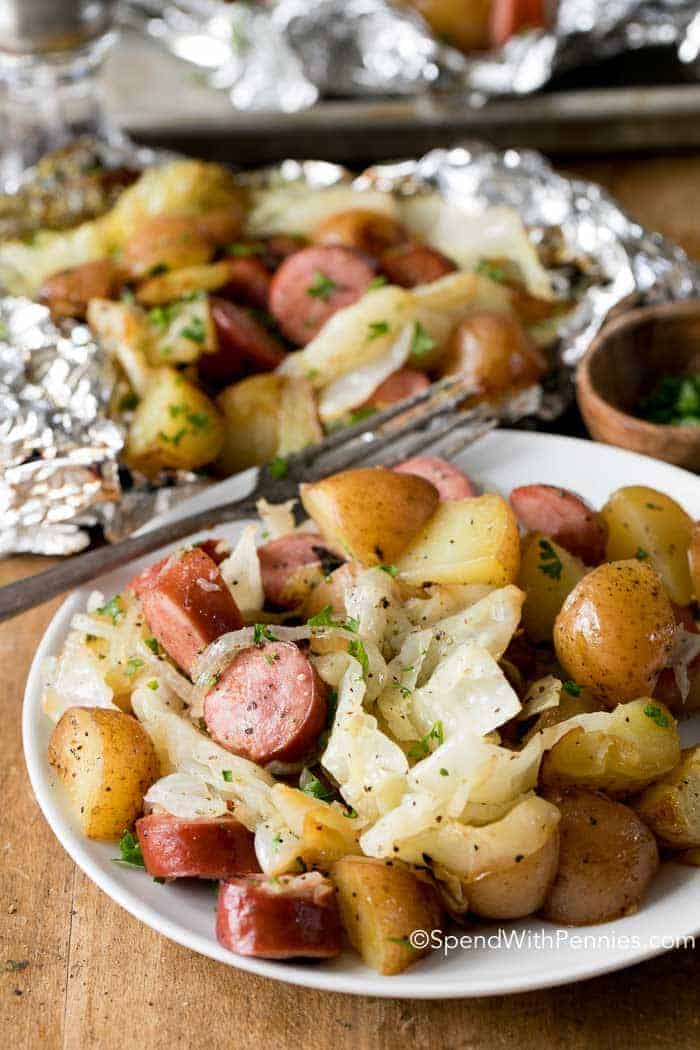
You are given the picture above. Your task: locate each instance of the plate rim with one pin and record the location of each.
(435, 987)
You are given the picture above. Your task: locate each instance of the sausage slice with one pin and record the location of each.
(414, 264)
(248, 283)
(282, 559)
(245, 346)
(564, 517)
(269, 704)
(287, 917)
(313, 284)
(450, 482)
(187, 604)
(407, 382)
(202, 848)
(68, 292)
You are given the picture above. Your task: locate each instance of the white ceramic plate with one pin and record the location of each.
(539, 954)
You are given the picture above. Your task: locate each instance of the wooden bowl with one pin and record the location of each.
(624, 363)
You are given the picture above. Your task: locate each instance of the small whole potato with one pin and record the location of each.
(459, 24)
(615, 631)
(494, 353)
(166, 242)
(519, 890)
(546, 587)
(368, 231)
(607, 858)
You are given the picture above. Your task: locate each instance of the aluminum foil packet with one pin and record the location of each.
(284, 55)
(60, 451)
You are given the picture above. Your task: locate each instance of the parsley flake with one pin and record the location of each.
(390, 570)
(421, 343)
(422, 747)
(113, 608)
(550, 561)
(278, 467)
(357, 649)
(194, 331)
(130, 851)
(640, 554)
(311, 785)
(133, 666)
(377, 282)
(490, 270)
(656, 715)
(322, 287)
(572, 688)
(227, 774)
(377, 329)
(262, 633)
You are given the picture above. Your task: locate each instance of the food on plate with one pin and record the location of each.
(671, 806)
(565, 517)
(616, 629)
(285, 310)
(607, 858)
(106, 761)
(694, 560)
(381, 903)
(392, 715)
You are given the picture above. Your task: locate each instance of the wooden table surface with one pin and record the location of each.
(80, 973)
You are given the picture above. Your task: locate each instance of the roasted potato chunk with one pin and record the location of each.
(325, 832)
(615, 631)
(372, 513)
(639, 744)
(671, 807)
(494, 354)
(107, 762)
(465, 541)
(607, 858)
(175, 426)
(164, 243)
(178, 284)
(646, 524)
(548, 573)
(381, 904)
(520, 889)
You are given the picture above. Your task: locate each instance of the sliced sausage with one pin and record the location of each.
(68, 293)
(201, 848)
(450, 482)
(369, 231)
(287, 917)
(187, 604)
(509, 17)
(279, 247)
(245, 346)
(313, 284)
(564, 517)
(405, 383)
(281, 560)
(249, 283)
(414, 264)
(269, 704)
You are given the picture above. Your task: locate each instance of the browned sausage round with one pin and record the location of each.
(313, 284)
(244, 345)
(371, 232)
(187, 604)
(282, 558)
(407, 382)
(450, 482)
(564, 517)
(68, 293)
(279, 247)
(249, 283)
(197, 848)
(414, 264)
(269, 704)
(282, 918)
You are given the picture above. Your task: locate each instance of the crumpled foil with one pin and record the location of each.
(60, 452)
(284, 55)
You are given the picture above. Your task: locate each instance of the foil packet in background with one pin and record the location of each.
(284, 55)
(59, 450)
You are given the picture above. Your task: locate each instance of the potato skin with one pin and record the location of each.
(251, 411)
(643, 522)
(494, 354)
(381, 903)
(545, 593)
(166, 241)
(671, 807)
(107, 762)
(371, 513)
(368, 231)
(640, 745)
(694, 559)
(615, 631)
(519, 890)
(607, 858)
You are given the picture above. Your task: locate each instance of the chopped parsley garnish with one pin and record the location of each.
(154, 645)
(4, 331)
(311, 785)
(130, 851)
(129, 402)
(490, 270)
(159, 879)
(244, 251)
(113, 609)
(444, 772)
(173, 439)
(133, 666)
(277, 841)
(278, 467)
(356, 416)
(404, 941)
(377, 282)
(262, 633)
(572, 688)
(160, 316)
(376, 329)
(390, 570)
(656, 715)
(158, 269)
(194, 330)
(322, 287)
(550, 562)
(422, 747)
(640, 554)
(227, 774)
(324, 618)
(357, 649)
(350, 813)
(674, 401)
(152, 684)
(421, 343)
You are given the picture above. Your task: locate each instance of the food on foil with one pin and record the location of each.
(244, 322)
(480, 24)
(353, 724)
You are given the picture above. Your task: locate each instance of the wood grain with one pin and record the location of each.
(96, 978)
